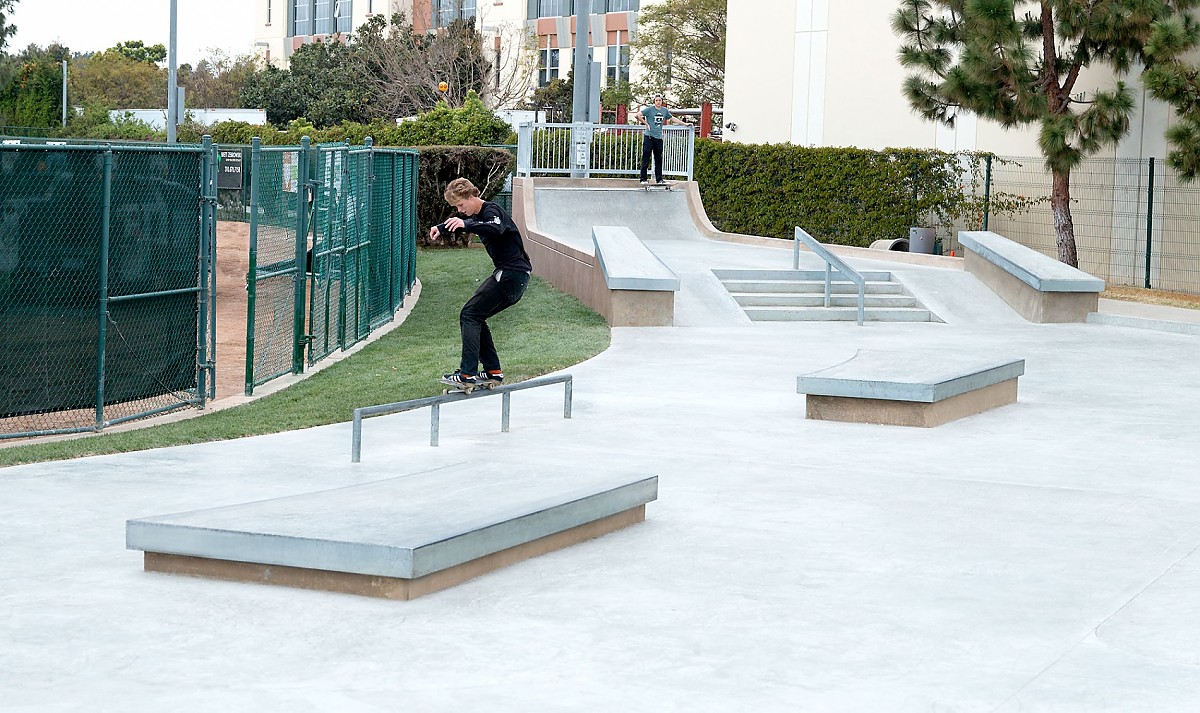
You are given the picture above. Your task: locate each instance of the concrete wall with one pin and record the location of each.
(825, 73)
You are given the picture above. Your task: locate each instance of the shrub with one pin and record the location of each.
(487, 168)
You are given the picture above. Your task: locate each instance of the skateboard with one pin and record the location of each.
(466, 388)
(661, 186)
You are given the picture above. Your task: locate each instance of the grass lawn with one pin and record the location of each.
(547, 331)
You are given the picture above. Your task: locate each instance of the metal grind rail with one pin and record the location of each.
(832, 262)
(435, 402)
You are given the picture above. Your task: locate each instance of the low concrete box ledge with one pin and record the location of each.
(921, 389)
(1040, 288)
(396, 538)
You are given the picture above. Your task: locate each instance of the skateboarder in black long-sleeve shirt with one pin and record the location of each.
(499, 291)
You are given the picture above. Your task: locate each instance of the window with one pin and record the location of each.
(547, 66)
(618, 62)
(447, 11)
(321, 17)
(555, 8)
(622, 5)
(344, 16)
(301, 18)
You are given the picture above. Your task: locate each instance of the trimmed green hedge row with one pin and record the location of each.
(846, 196)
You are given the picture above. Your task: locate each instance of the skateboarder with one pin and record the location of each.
(500, 290)
(654, 117)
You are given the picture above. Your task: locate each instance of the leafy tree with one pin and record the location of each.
(680, 46)
(557, 98)
(138, 51)
(1018, 62)
(6, 29)
(217, 80)
(1174, 80)
(33, 95)
(322, 83)
(112, 80)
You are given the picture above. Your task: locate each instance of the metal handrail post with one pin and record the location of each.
(833, 262)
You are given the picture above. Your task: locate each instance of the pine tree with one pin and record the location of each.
(1017, 62)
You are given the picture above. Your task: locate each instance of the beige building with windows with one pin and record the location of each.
(826, 73)
(533, 40)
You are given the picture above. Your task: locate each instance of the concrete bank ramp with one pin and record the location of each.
(570, 213)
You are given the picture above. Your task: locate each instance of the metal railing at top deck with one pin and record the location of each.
(436, 401)
(831, 262)
(599, 150)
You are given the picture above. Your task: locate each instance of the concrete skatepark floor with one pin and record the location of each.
(1041, 556)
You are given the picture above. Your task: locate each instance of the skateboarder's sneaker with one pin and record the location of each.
(645, 183)
(493, 375)
(460, 379)
(660, 182)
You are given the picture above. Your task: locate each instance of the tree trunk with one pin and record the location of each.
(1064, 226)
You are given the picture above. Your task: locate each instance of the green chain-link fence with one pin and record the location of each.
(333, 232)
(105, 283)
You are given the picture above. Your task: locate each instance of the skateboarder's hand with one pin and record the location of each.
(434, 234)
(453, 224)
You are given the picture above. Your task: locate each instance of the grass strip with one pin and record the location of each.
(547, 331)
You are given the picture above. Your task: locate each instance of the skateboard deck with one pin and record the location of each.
(466, 388)
(660, 186)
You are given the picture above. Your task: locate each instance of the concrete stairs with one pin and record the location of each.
(799, 295)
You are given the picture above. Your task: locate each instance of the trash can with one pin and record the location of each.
(920, 240)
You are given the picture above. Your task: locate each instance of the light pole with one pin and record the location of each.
(172, 93)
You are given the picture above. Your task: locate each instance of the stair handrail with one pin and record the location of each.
(832, 262)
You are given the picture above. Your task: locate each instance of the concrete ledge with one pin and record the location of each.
(387, 587)
(628, 264)
(449, 524)
(909, 388)
(1038, 287)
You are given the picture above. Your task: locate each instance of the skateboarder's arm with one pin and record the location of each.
(488, 224)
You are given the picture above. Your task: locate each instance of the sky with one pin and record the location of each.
(92, 25)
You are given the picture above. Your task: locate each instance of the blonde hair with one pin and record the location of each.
(459, 189)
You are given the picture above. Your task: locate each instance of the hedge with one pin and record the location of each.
(487, 168)
(846, 196)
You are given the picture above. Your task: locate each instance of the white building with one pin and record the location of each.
(826, 73)
(513, 28)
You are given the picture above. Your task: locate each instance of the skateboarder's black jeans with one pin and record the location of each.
(492, 297)
(651, 145)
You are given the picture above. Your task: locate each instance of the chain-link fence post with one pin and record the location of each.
(102, 327)
(251, 272)
(987, 189)
(304, 186)
(1149, 218)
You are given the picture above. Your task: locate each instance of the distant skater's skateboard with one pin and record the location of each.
(466, 388)
(661, 186)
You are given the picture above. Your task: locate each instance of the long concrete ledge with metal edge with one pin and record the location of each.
(398, 538)
(642, 288)
(897, 388)
(574, 266)
(435, 403)
(1040, 288)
